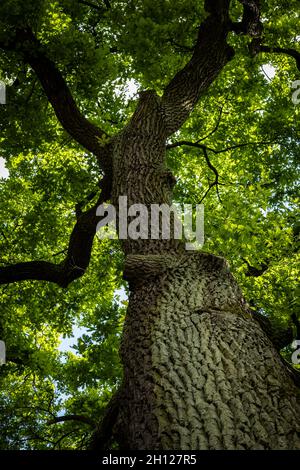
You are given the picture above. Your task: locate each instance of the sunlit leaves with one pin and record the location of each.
(251, 129)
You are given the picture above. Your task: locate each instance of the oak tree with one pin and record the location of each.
(158, 101)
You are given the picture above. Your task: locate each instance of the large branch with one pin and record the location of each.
(78, 256)
(250, 24)
(96, 7)
(104, 433)
(211, 54)
(91, 5)
(280, 50)
(84, 132)
(78, 418)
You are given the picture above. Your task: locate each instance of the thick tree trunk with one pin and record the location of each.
(199, 371)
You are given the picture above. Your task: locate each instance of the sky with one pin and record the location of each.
(269, 71)
(68, 343)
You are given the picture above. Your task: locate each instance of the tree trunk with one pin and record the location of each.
(199, 372)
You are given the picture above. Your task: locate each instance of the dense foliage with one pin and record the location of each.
(246, 176)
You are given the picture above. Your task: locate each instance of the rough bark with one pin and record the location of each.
(199, 371)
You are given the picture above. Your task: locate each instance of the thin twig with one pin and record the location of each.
(214, 129)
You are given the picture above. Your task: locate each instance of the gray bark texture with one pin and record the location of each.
(199, 371)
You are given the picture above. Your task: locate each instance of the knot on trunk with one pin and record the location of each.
(202, 282)
(139, 267)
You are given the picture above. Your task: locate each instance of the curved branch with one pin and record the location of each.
(78, 256)
(79, 418)
(187, 143)
(73, 121)
(281, 50)
(204, 149)
(181, 143)
(215, 128)
(32, 270)
(96, 7)
(91, 5)
(216, 182)
(210, 165)
(211, 54)
(250, 24)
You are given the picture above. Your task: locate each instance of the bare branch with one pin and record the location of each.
(214, 129)
(79, 418)
(105, 431)
(84, 132)
(205, 149)
(182, 143)
(250, 24)
(215, 171)
(210, 165)
(281, 50)
(78, 256)
(80, 205)
(91, 5)
(38, 270)
(196, 144)
(245, 144)
(96, 7)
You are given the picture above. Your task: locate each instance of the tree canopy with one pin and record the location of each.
(237, 154)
